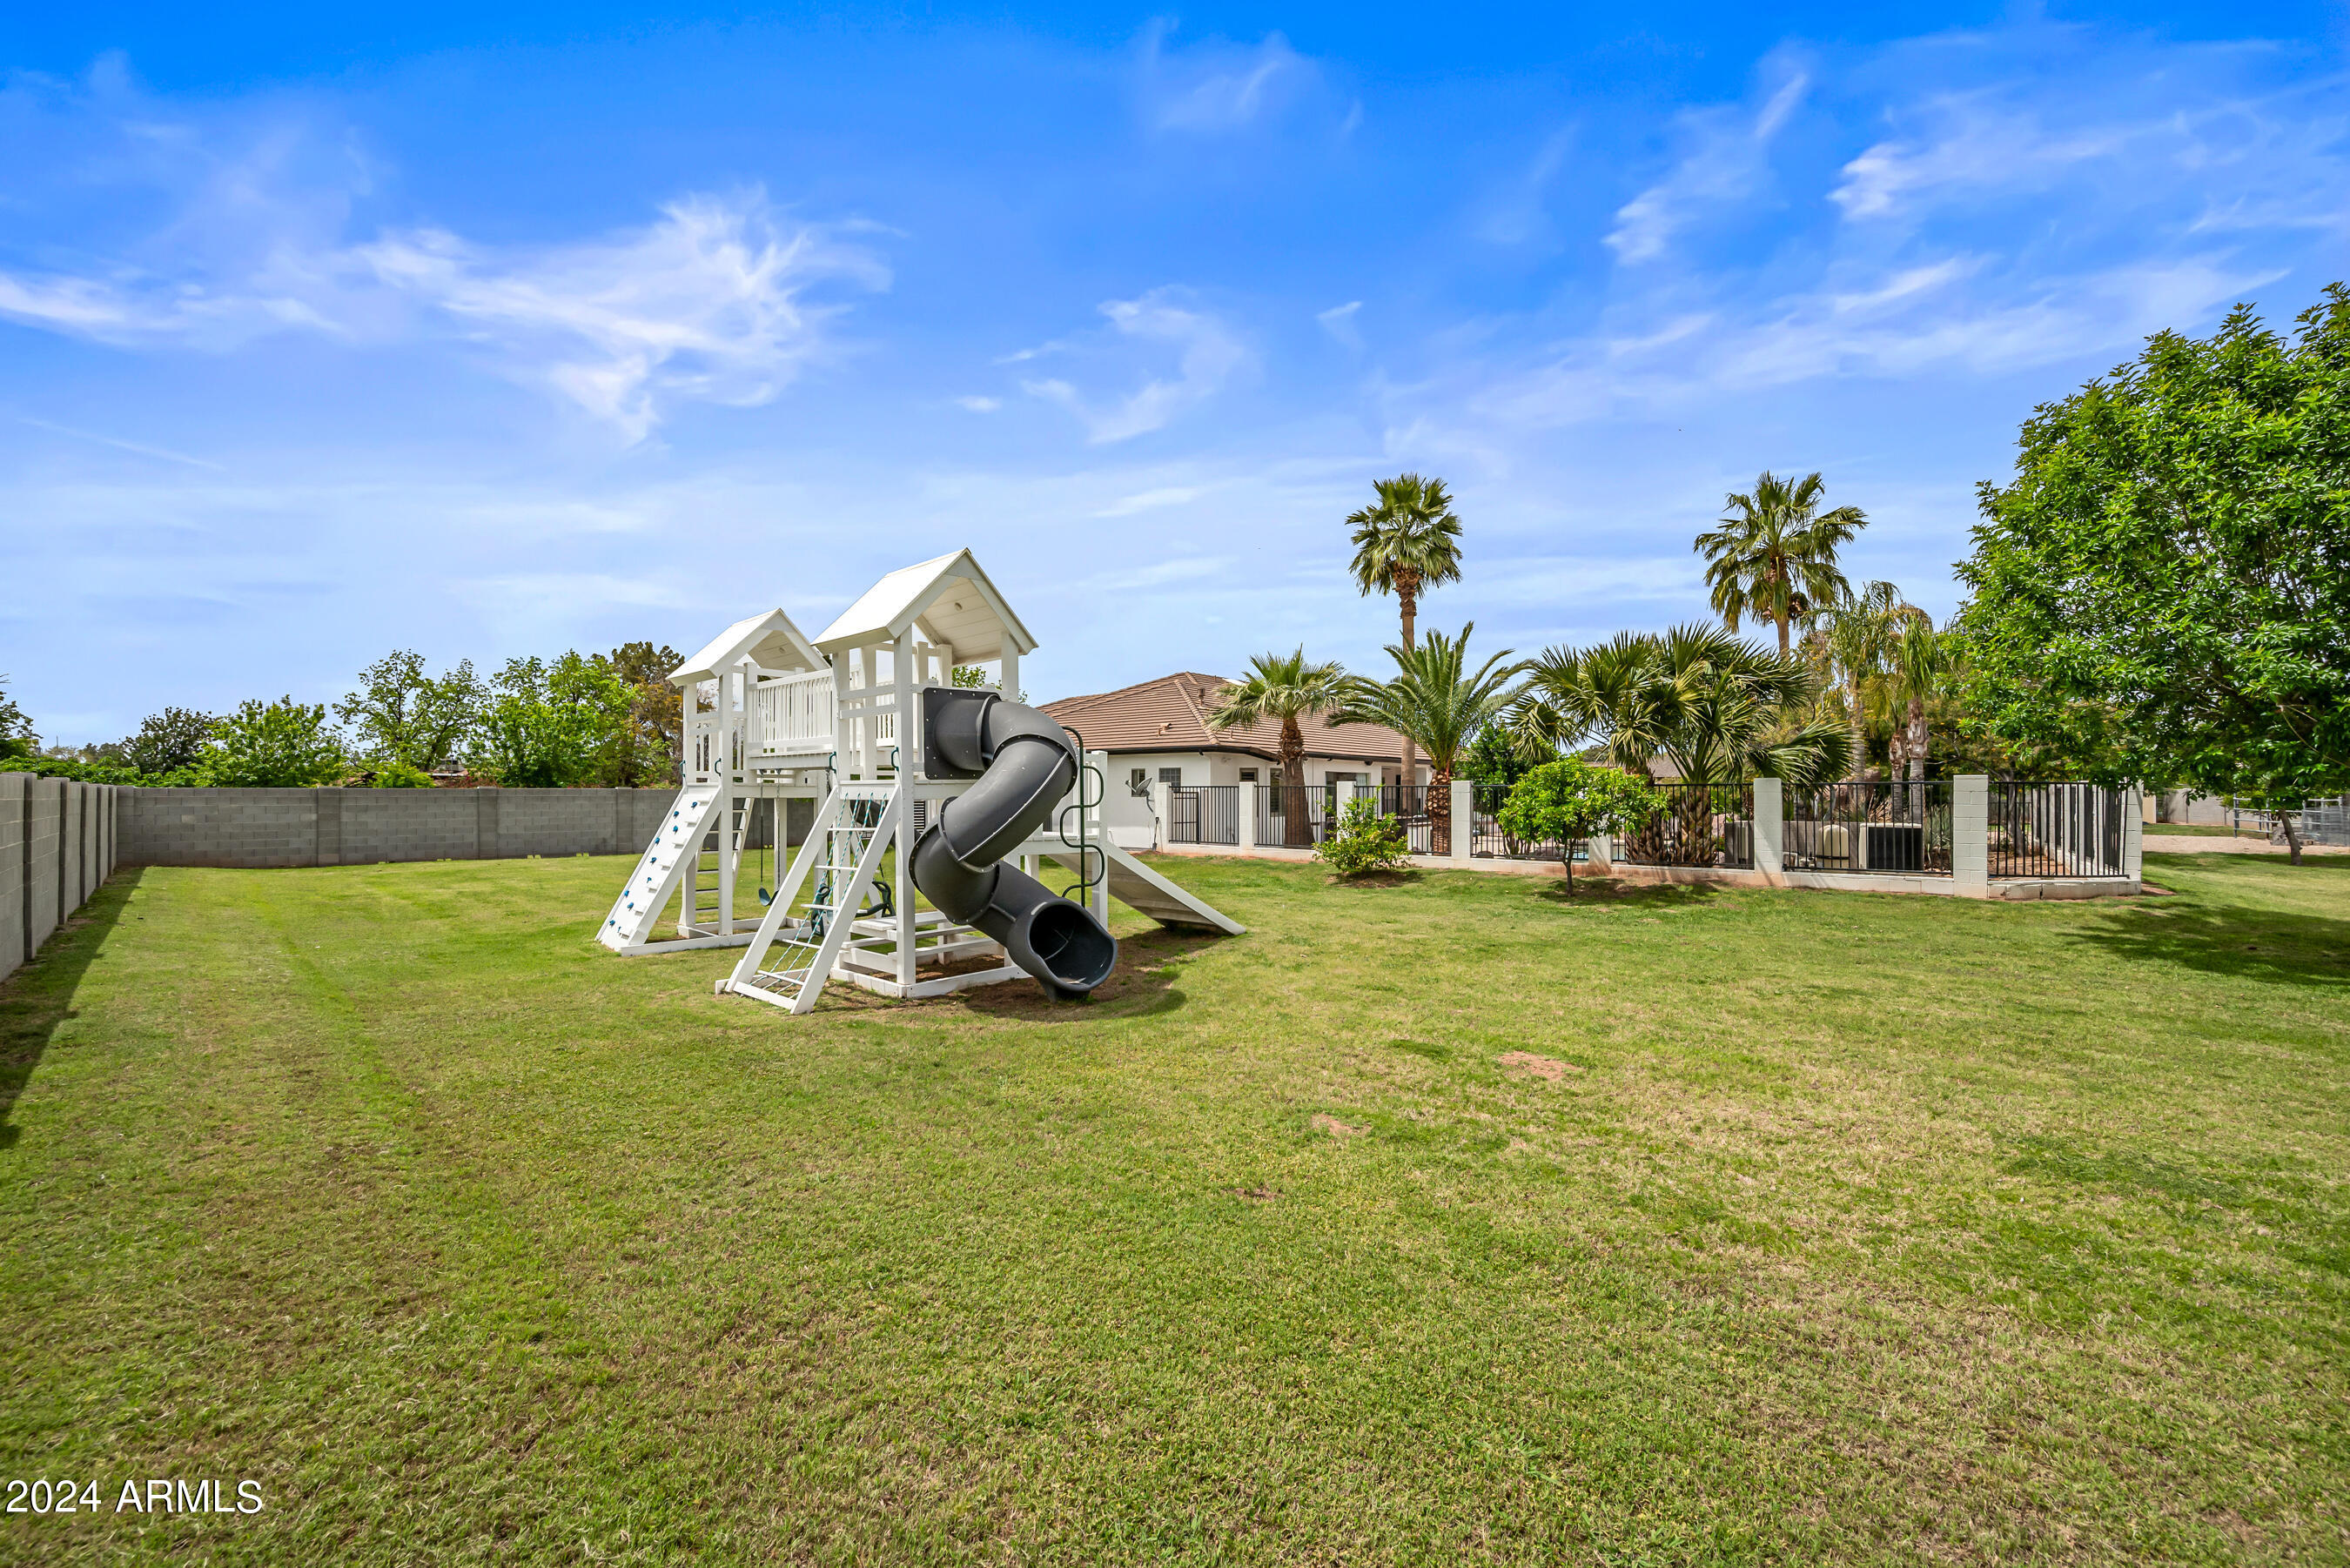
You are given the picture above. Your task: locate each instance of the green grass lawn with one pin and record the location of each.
(1451, 1221)
(2197, 830)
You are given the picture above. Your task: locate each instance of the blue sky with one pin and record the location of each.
(321, 336)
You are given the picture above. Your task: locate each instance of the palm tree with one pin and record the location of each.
(1861, 634)
(1407, 542)
(1287, 687)
(1921, 660)
(1436, 700)
(1774, 555)
(1721, 710)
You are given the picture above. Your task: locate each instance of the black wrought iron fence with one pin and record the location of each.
(2054, 830)
(1878, 826)
(1407, 803)
(1203, 814)
(1292, 816)
(1698, 824)
(1486, 838)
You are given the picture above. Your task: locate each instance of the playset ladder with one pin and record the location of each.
(854, 831)
(674, 853)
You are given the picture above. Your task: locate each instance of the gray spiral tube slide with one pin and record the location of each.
(1024, 763)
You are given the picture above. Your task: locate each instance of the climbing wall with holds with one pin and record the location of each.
(668, 861)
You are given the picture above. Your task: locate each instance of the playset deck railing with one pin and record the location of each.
(1876, 826)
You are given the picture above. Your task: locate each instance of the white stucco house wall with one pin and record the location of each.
(1157, 732)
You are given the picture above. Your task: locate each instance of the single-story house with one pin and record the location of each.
(1157, 732)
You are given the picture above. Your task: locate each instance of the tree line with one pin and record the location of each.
(603, 719)
(2159, 595)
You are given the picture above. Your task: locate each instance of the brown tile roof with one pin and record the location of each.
(1171, 714)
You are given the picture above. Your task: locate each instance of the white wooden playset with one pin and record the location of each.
(915, 785)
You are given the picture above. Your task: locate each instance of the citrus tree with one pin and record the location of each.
(1570, 800)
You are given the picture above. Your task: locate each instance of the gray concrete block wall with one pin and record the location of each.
(45, 813)
(57, 849)
(12, 947)
(271, 827)
(404, 825)
(251, 827)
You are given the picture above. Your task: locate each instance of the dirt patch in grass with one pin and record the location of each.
(1334, 1128)
(1549, 1069)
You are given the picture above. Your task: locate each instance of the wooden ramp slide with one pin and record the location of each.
(1140, 889)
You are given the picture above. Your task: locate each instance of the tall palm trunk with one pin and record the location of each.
(1296, 832)
(1408, 601)
(1859, 733)
(1916, 738)
(1439, 809)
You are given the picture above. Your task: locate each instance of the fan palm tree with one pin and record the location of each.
(1721, 710)
(1408, 541)
(1774, 557)
(1862, 631)
(1286, 687)
(1436, 701)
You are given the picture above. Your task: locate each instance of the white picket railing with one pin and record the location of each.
(796, 717)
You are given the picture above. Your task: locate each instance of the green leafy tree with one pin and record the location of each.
(1438, 703)
(278, 745)
(552, 726)
(1567, 801)
(17, 737)
(399, 775)
(402, 713)
(168, 741)
(1775, 557)
(655, 752)
(1406, 541)
(1284, 688)
(2163, 590)
(1494, 760)
(1364, 840)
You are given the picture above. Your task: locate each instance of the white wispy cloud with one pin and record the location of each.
(1724, 158)
(1207, 354)
(1338, 321)
(1150, 500)
(705, 305)
(1216, 86)
(247, 234)
(978, 405)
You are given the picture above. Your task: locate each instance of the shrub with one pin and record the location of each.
(273, 744)
(1363, 842)
(1570, 800)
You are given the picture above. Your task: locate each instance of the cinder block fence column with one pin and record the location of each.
(1159, 808)
(1970, 834)
(1464, 820)
(2134, 816)
(1771, 830)
(1246, 809)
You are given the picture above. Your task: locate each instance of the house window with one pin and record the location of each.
(1137, 781)
(1248, 775)
(1171, 776)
